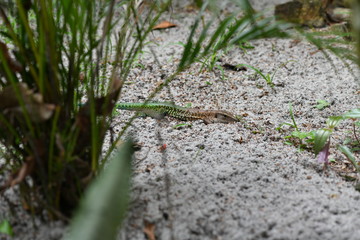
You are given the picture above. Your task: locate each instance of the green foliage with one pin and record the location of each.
(321, 138)
(336, 42)
(268, 78)
(293, 123)
(348, 153)
(6, 228)
(181, 125)
(354, 113)
(245, 46)
(229, 31)
(334, 121)
(106, 200)
(297, 138)
(303, 135)
(300, 139)
(340, 42)
(321, 104)
(323, 135)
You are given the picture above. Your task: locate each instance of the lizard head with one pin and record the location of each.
(224, 117)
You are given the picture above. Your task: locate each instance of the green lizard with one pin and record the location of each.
(159, 110)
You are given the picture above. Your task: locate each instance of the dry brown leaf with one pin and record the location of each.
(162, 148)
(8, 97)
(13, 64)
(24, 171)
(33, 103)
(116, 84)
(149, 230)
(164, 25)
(20, 174)
(103, 105)
(38, 112)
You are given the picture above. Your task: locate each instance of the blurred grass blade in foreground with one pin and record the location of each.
(105, 202)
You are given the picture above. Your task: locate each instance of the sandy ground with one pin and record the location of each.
(234, 181)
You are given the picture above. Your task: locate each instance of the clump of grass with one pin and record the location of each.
(50, 61)
(301, 139)
(230, 32)
(322, 138)
(322, 104)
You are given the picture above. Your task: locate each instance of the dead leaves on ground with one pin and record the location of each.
(164, 25)
(149, 230)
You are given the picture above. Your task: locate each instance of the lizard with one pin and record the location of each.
(159, 110)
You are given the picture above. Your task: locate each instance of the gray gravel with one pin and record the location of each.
(235, 181)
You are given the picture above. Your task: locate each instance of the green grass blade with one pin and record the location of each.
(189, 44)
(292, 117)
(106, 200)
(258, 71)
(347, 152)
(218, 34)
(246, 6)
(201, 39)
